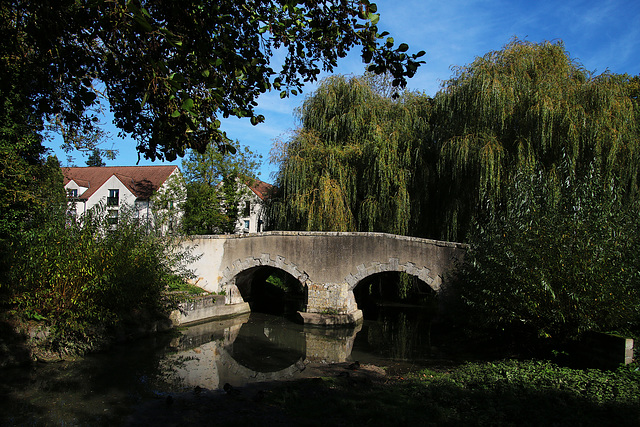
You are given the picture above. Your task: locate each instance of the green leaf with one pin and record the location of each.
(228, 148)
(403, 47)
(143, 23)
(187, 104)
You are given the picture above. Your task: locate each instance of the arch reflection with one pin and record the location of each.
(251, 348)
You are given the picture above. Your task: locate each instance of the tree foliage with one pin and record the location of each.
(361, 159)
(168, 204)
(542, 157)
(30, 190)
(169, 70)
(523, 153)
(354, 162)
(85, 275)
(527, 106)
(95, 159)
(561, 259)
(213, 190)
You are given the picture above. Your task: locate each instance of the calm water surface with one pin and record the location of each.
(101, 388)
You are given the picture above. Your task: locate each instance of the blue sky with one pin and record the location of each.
(601, 35)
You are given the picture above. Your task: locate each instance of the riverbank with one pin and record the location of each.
(26, 341)
(497, 393)
(173, 379)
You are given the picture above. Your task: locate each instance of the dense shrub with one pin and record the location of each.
(89, 273)
(561, 258)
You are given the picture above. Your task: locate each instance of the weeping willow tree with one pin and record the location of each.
(355, 161)
(539, 164)
(427, 167)
(529, 107)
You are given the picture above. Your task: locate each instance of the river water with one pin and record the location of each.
(101, 388)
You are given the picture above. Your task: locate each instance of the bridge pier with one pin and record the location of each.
(331, 304)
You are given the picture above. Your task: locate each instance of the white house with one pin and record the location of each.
(251, 218)
(118, 187)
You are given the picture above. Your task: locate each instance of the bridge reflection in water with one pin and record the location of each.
(251, 348)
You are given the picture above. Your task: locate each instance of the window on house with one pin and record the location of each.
(112, 219)
(73, 193)
(246, 224)
(114, 197)
(247, 209)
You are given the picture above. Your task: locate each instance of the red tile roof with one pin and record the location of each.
(262, 189)
(142, 181)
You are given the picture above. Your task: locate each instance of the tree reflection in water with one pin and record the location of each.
(398, 311)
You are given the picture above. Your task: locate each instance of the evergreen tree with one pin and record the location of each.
(95, 158)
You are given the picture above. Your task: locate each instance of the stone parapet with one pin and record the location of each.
(336, 234)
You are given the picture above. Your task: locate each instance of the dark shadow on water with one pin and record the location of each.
(96, 390)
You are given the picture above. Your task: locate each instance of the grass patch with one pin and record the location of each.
(179, 285)
(500, 393)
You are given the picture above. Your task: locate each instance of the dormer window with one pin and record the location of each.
(73, 193)
(114, 197)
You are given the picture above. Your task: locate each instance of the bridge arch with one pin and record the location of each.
(235, 276)
(393, 265)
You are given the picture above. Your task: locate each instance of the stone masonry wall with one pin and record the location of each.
(330, 298)
(328, 264)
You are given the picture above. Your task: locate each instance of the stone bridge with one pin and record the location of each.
(328, 265)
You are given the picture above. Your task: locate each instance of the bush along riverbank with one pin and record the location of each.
(23, 341)
(75, 287)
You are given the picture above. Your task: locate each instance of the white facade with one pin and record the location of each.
(250, 213)
(129, 189)
(123, 196)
